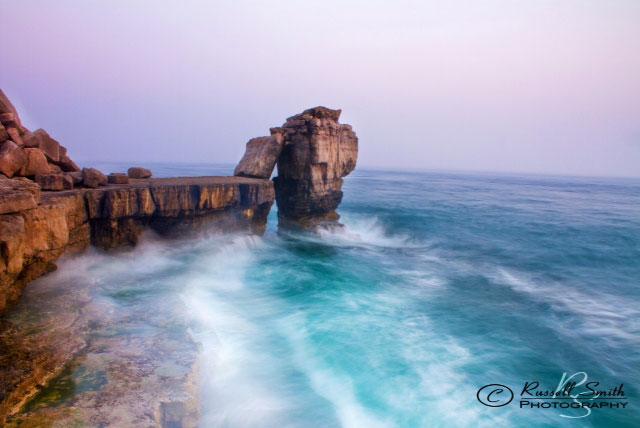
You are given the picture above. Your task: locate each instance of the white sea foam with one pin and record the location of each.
(364, 232)
(439, 362)
(335, 387)
(236, 387)
(234, 391)
(609, 317)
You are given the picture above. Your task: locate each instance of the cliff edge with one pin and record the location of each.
(37, 227)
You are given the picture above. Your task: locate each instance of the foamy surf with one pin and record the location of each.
(364, 232)
(395, 319)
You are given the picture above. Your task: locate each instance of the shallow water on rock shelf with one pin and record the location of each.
(436, 285)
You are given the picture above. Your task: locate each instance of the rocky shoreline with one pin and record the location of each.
(69, 358)
(49, 224)
(49, 207)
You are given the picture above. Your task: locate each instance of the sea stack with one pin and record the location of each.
(318, 151)
(313, 152)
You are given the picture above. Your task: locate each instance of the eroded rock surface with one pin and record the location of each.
(37, 228)
(260, 157)
(12, 158)
(313, 152)
(138, 172)
(91, 177)
(318, 152)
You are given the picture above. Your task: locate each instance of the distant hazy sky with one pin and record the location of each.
(498, 85)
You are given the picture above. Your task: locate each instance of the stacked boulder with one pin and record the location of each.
(313, 152)
(37, 156)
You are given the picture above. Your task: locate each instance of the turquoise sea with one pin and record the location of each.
(438, 284)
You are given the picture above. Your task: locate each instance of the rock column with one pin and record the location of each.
(318, 152)
(313, 152)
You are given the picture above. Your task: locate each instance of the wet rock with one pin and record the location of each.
(118, 178)
(91, 177)
(33, 237)
(36, 163)
(12, 158)
(55, 182)
(318, 152)
(260, 157)
(138, 172)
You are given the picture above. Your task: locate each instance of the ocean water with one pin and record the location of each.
(437, 285)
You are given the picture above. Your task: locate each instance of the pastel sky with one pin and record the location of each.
(493, 85)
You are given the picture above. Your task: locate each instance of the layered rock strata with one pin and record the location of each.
(36, 227)
(318, 152)
(313, 152)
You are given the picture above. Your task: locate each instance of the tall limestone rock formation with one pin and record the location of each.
(317, 153)
(313, 152)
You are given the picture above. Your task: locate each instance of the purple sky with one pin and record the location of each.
(527, 86)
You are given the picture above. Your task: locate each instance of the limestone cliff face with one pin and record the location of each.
(36, 227)
(318, 151)
(313, 152)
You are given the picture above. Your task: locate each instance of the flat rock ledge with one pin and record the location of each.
(37, 227)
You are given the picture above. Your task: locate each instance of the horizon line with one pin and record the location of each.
(393, 169)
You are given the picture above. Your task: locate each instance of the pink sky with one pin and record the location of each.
(525, 86)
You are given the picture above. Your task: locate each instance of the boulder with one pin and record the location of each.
(48, 145)
(8, 119)
(76, 177)
(138, 172)
(18, 194)
(55, 169)
(67, 164)
(7, 107)
(31, 140)
(4, 135)
(42, 140)
(260, 157)
(91, 177)
(54, 182)
(14, 135)
(36, 163)
(318, 152)
(118, 178)
(12, 158)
